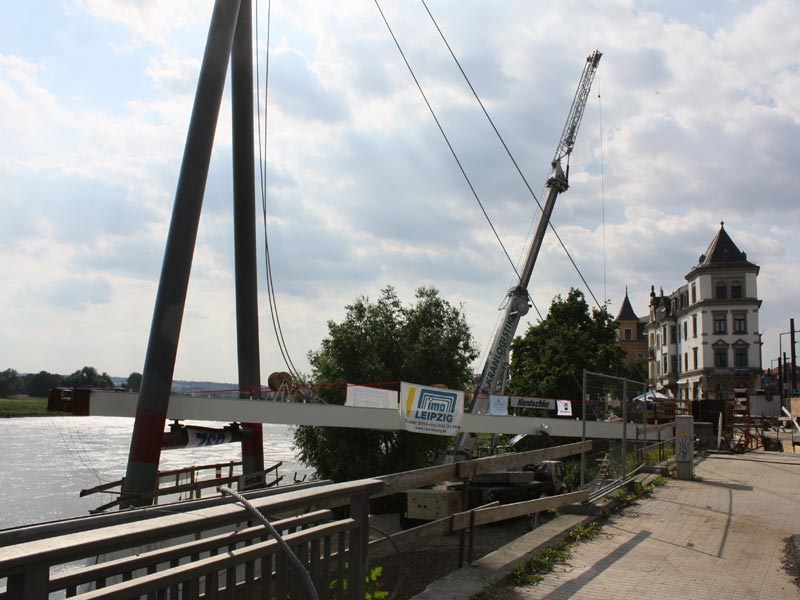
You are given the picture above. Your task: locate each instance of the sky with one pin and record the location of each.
(694, 119)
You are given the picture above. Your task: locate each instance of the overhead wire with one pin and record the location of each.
(262, 158)
(446, 139)
(510, 155)
(602, 187)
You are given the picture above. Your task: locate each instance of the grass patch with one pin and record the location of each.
(24, 406)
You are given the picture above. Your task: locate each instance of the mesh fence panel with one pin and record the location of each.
(614, 399)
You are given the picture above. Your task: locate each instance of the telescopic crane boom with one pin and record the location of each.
(516, 305)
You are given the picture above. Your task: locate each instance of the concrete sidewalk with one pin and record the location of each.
(720, 536)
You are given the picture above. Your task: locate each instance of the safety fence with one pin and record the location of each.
(644, 415)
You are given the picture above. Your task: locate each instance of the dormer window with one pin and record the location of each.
(721, 290)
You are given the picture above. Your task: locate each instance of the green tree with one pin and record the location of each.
(89, 377)
(134, 381)
(428, 342)
(39, 384)
(9, 383)
(548, 360)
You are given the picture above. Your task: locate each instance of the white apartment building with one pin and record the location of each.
(703, 339)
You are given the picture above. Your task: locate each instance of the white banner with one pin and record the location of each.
(207, 437)
(564, 408)
(370, 397)
(431, 410)
(498, 405)
(525, 402)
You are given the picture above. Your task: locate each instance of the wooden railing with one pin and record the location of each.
(213, 548)
(189, 482)
(205, 552)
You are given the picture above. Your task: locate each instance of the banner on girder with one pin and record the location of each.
(370, 397)
(431, 410)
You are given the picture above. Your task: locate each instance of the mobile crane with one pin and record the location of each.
(516, 303)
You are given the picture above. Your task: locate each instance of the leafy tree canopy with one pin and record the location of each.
(39, 384)
(9, 383)
(428, 342)
(548, 360)
(134, 381)
(89, 377)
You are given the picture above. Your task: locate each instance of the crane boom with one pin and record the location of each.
(516, 305)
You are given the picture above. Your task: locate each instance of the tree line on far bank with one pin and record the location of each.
(39, 384)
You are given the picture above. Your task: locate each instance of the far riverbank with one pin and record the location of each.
(25, 406)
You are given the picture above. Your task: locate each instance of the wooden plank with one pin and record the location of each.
(460, 521)
(484, 516)
(171, 553)
(408, 480)
(36, 531)
(213, 564)
(67, 548)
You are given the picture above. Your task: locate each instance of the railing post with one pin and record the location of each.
(359, 543)
(30, 585)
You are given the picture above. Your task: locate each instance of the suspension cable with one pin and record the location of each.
(446, 139)
(508, 151)
(602, 187)
(262, 167)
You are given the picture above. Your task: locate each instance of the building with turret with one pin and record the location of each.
(703, 339)
(631, 332)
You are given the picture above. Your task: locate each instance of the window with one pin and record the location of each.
(740, 358)
(720, 323)
(694, 325)
(736, 289)
(685, 361)
(664, 363)
(721, 357)
(673, 334)
(685, 330)
(658, 340)
(639, 355)
(740, 323)
(722, 290)
(675, 365)
(664, 333)
(694, 357)
(628, 335)
(694, 293)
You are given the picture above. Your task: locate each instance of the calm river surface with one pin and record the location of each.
(46, 461)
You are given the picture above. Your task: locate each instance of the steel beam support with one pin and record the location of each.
(165, 329)
(244, 232)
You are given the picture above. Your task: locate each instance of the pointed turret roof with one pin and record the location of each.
(723, 253)
(626, 310)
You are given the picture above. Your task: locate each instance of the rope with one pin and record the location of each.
(511, 156)
(602, 188)
(447, 140)
(262, 168)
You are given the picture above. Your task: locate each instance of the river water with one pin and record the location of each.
(46, 461)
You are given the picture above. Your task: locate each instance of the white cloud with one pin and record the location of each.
(700, 124)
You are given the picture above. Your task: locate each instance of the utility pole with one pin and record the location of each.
(794, 358)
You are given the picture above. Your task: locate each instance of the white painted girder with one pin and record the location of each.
(196, 408)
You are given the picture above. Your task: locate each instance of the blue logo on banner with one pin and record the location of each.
(437, 400)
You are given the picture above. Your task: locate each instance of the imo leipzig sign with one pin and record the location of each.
(431, 410)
